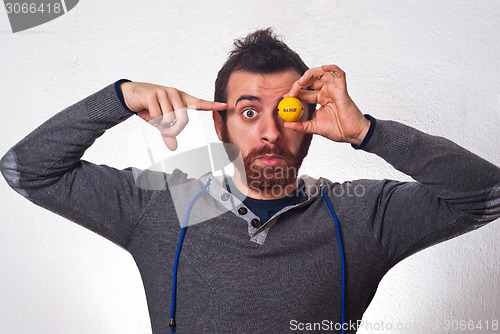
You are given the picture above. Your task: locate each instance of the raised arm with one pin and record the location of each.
(456, 191)
(46, 166)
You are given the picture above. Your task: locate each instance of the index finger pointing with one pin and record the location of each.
(200, 104)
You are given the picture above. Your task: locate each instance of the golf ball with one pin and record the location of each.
(290, 109)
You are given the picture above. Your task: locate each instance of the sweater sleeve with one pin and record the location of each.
(46, 168)
(456, 191)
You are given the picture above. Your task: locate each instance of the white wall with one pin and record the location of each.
(434, 65)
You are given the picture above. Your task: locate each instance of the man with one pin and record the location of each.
(263, 261)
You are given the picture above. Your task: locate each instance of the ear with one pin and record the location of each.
(218, 122)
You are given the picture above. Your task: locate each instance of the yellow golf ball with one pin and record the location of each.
(290, 109)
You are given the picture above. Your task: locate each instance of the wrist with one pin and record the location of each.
(365, 135)
(365, 127)
(120, 95)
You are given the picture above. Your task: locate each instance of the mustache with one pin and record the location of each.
(270, 150)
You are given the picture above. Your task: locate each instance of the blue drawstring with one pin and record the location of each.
(341, 254)
(171, 323)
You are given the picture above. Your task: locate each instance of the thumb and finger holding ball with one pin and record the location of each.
(290, 109)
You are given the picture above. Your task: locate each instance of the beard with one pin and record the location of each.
(269, 178)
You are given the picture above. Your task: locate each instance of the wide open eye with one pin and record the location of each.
(249, 113)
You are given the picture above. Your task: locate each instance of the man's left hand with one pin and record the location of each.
(338, 118)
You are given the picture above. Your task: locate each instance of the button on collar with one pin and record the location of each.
(256, 223)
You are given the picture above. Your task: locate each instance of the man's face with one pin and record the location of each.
(272, 154)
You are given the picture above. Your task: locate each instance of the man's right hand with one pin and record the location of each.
(164, 107)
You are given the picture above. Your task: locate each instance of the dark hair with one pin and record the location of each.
(259, 52)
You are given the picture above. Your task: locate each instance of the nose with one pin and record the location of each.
(270, 128)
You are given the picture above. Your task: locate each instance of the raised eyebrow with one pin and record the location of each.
(247, 97)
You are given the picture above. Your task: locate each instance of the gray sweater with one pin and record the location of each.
(237, 278)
